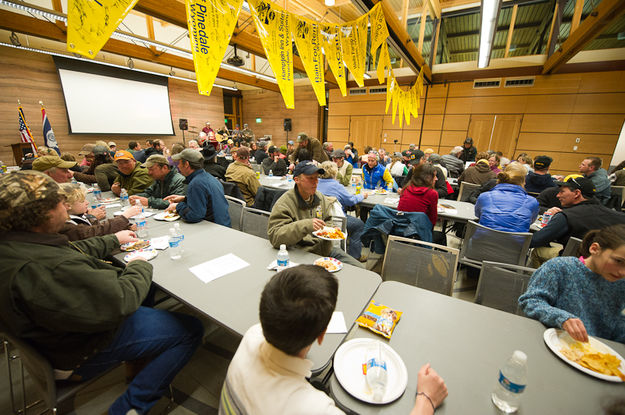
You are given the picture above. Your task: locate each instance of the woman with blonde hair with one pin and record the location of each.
(508, 207)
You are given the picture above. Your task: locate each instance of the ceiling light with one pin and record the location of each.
(489, 11)
(329, 3)
(366, 76)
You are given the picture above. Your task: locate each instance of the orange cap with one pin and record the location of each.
(123, 155)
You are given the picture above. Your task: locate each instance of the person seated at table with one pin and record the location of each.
(454, 165)
(507, 207)
(329, 186)
(590, 167)
(241, 173)
(436, 161)
(157, 147)
(268, 373)
(584, 295)
(328, 147)
(397, 166)
(493, 163)
(55, 167)
(261, 153)
(617, 175)
(193, 144)
(526, 161)
(82, 314)
(469, 152)
(375, 175)
(205, 198)
(301, 211)
(106, 170)
(210, 163)
(345, 169)
(416, 158)
(351, 155)
(81, 225)
(167, 181)
(538, 180)
(478, 173)
(133, 176)
(274, 163)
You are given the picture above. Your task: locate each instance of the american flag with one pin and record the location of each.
(27, 137)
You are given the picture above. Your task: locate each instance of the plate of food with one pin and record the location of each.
(594, 357)
(133, 246)
(329, 263)
(380, 191)
(109, 200)
(147, 254)
(167, 216)
(350, 369)
(329, 234)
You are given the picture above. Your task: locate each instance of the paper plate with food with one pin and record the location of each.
(380, 191)
(147, 254)
(133, 246)
(167, 216)
(109, 200)
(329, 234)
(329, 263)
(594, 357)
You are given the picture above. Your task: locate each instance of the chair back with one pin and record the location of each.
(340, 222)
(231, 189)
(500, 286)
(485, 244)
(266, 197)
(572, 247)
(255, 222)
(422, 264)
(465, 191)
(235, 210)
(616, 198)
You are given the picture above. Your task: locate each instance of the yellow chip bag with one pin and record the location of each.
(379, 319)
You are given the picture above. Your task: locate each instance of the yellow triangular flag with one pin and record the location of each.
(274, 29)
(379, 31)
(383, 62)
(395, 98)
(354, 44)
(308, 42)
(331, 42)
(91, 23)
(210, 26)
(407, 106)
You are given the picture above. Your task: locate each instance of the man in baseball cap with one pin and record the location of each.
(344, 175)
(167, 181)
(301, 211)
(538, 180)
(55, 167)
(133, 176)
(581, 212)
(205, 198)
(313, 146)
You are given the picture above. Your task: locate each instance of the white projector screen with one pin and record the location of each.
(102, 104)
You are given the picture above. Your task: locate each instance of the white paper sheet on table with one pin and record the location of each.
(161, 242)
(218, 267)
(112, 205)
(337, 323)
(392, 201)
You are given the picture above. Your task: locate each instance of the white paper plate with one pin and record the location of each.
(348, 361)
(328, 229)
(163, 216)
(147, 253)
(336, 262)
(558, 339)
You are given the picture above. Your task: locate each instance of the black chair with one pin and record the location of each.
(231, 189)
(266, 197)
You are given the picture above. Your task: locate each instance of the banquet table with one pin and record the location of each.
(467, 344)
(232, 300)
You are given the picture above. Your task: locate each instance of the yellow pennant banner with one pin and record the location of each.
(354, 44)
(210, 24)
(379, 31)
(308, 42)
(331, 42)
(389, 91)
(274, 29)
(90, 23)
(383, 62)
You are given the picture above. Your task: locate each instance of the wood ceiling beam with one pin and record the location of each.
(435, 7)
(602, 15)
(554, 33)
(39, 28)
(577, 15)
(149, 22)
(404, 20)
(511, 30)
(424, 16)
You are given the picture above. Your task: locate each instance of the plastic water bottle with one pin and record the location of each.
(511, 384)
(270, 173)
(175, 242)
(97, 193)
(376, 373)
(142, 226)
(283, 257)
(123, 197)
(138, 203)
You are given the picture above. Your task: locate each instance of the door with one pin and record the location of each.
(365, 131)
(495, 132)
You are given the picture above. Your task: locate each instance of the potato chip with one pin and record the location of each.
(587, 356)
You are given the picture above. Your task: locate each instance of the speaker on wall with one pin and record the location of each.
(287, 124)
(183, 124)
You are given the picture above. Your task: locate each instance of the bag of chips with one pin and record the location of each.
(379, 319)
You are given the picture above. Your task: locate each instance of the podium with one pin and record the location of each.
(19, 151)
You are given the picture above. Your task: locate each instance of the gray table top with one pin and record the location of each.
(232, 300)
(467, 344)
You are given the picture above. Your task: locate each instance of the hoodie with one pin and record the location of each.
(536, 183)
(419, 199)
(479, 173)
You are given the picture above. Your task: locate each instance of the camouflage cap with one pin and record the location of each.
(21, 187)
(47, 162)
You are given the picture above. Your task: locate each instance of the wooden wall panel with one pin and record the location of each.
(338, 122)
(599, 103)
(430, 122)
(549, 104)
(453, 138)
(557, 142)
(578, 123)
(456, 122)
(31, 77)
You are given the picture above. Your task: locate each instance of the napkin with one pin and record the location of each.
(273, 266)
(161, 242)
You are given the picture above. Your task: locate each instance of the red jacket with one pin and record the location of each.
(419, 199)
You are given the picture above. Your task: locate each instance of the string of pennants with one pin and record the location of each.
(212, 22)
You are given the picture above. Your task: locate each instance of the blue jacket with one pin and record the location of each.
(388, 221)
(378, 176)
(602, 183)
(331, 187)
(205, 200)
(507, 208)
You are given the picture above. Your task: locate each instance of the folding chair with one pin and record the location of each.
(266, 197)
(255, 222)
(485, 244)
(572, 247)
(422, 264)
(500, 286)
(465, 191)
(231, 189)
(235, 210)
(340, 222)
